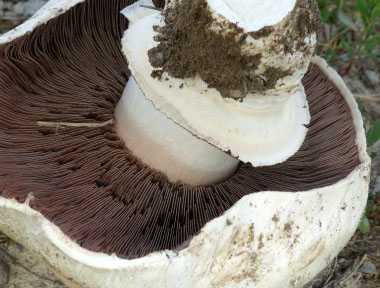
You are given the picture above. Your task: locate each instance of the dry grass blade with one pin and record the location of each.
(331, 273)
(368, 98)
(351, 277)
(65, 124)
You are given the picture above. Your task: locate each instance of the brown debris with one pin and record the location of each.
(190, 48)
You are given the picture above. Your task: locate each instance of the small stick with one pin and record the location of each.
(355, 268)
(369, 97)
(331, 273)
(65, 124)
(151, 7)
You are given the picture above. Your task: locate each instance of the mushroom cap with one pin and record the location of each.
(69, 194)
(259, 130)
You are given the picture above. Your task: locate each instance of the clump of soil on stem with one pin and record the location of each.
(187, 47)
(304, 20)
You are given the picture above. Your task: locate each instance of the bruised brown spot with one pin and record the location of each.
(261, 243)
(275, 218)
(251, 233)
(288, 227)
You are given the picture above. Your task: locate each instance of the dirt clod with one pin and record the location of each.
(188, 45)
(189, 48)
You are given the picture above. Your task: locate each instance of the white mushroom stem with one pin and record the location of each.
(265, 128)
(162, 144)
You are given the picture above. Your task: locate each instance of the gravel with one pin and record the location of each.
(373, 77)
(368, 268)
(19, 9)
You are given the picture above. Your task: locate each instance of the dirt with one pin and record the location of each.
(304, 20)
(304, 23)
(263, 32)
(185, 51)
(308, 21)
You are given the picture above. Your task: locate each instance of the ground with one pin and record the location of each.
(357, 266)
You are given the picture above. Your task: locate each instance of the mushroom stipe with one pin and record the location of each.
(87, 182)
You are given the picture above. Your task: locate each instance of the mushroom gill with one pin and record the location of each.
(84, 179)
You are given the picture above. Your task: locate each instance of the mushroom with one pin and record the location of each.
(75, 194)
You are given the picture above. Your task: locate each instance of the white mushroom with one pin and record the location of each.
(99, 217)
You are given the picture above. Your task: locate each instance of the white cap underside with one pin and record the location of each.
(259, 131)
(252, 15)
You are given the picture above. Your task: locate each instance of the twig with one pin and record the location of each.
(65, 124)
(326, 284)
(151, 7)
(369, 97)
(324, 44)
(373, 283)
(374, 257)
(351, 276)
(355, 268)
